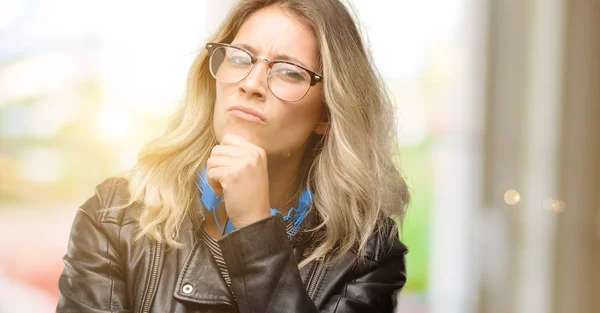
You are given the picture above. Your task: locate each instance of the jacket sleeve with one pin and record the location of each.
(92, 280)
(265, 276)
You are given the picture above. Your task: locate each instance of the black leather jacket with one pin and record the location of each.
(107, 271)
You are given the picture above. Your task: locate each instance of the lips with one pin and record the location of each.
(249, 111)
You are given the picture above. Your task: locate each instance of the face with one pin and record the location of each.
(271, 33)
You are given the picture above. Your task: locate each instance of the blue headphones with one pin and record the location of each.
(212, 202)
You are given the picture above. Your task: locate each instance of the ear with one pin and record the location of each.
(321, 128)
(323, 124)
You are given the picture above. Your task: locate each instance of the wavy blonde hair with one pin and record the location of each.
(351, 170)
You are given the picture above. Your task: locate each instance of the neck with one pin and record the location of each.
(282, 176)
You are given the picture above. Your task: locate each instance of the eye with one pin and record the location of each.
(238, 58)
(291, 74)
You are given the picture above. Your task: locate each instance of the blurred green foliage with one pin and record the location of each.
(418, 172)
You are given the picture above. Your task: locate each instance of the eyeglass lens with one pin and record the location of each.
(286, 81)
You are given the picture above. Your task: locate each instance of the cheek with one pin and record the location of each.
(304, 114)
(220, 95)
(219, 115)
(313, 105)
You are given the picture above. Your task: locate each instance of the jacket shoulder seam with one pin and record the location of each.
(106, 193)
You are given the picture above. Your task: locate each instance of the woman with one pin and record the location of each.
(272, 190)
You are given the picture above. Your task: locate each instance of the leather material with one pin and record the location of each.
(106, 270)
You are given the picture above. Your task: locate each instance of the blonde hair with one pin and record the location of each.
(351, 169)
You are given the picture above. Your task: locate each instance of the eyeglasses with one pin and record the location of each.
(287, 81)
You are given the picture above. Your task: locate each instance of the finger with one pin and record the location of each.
(228, 150)
(216, 161)
(236, 140)
(214, 176)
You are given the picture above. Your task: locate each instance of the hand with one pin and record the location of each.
(237, 171)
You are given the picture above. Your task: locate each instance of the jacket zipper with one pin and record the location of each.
(153, 277)
(315, 276)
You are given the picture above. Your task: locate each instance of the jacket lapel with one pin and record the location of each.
(200, 279)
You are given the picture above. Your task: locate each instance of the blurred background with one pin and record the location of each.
(499, 124)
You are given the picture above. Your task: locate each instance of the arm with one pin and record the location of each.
(92, 280)
(265, 276)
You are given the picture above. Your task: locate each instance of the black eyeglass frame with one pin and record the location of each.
(314, 76)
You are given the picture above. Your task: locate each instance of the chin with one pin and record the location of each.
(243, 131)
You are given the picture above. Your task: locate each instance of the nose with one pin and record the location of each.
(255, 84)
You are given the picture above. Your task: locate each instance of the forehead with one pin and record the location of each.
(273, 31)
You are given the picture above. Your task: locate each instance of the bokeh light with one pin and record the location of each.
(512, 197)
(554, 205)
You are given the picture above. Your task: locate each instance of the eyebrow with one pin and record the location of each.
(280, 56)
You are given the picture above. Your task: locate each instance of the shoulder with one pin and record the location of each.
(110, 194)
(385, 241)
